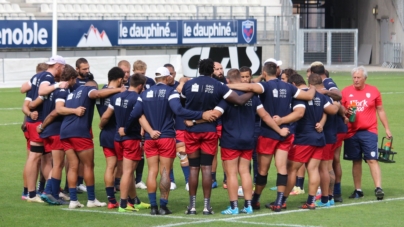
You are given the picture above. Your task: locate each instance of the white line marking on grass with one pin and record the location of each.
(12, 108)
(14, 123)
(392, 92)
(131, 214)
(269, 224)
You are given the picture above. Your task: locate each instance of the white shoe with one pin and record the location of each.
(141, 185)
(36, 199)
(82, 188)
(95, 203)
(173, 186)
(187, 187)
(64, 196)
(75, 204)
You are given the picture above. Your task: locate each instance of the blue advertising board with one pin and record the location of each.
(109, 33)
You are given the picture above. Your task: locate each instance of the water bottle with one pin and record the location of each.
(353, 115)
(387, 147)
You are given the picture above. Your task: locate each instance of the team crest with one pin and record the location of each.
(248, 30)
(368, 95)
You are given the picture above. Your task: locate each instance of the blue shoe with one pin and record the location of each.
(247, 210)
(214, 184)
(274, 188)
(332, 202)
(230, 211)
(320, 204)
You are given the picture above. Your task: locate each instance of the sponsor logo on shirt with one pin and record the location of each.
(209, 89)
(162, 93)
(282, 93)
(317, 101)
(360, 105)
(249, 103)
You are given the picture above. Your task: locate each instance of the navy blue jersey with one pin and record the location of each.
(330, 126)
(49, 104)
(79, 82)
(329, 84)
(179, 122)
(296, 103)
(36, 81)
(238, 123)
(305, 133)
(74, 126)
(123, 104)
(201, 94)
(160, 104)
(149, 82)
(127, 84)
(108, 132)
(276, 99)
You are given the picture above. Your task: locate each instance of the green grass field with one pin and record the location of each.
(364, 212)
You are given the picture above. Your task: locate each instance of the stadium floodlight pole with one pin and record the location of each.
(54, 28)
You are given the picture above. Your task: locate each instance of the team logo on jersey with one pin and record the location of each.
(248, 30)
(147, 86)
(118, 102)
(70, 96)
(34, 81)
(149, 94)
(351, 95)
(195, 88)
(275, 93)
(373, 153)
(368, 95)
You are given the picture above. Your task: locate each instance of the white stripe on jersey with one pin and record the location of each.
(219, 109)
(299, 105)
(139, 99)
(90, 92)
(173, 96)
(45, 82)
(227, 94)
(60, 100)
(327, 104)
(28, 99)
(262, 87)
(260, 106)
(297, 93)
(110, 106)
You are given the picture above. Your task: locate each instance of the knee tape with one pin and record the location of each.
(207, 159)
(181, 156)
(38, 149)
(281, 180)
(261, 180)
(194, 162)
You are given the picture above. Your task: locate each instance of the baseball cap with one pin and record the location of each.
(56, 59)
(316, 63)
(273, 60)
(163, 71)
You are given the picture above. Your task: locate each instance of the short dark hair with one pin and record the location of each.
(69, 73)
(297, 79)
(318, 69)
(137, 79)
(270, 68)
(315, 79)
(206, 67)
(233, 75)
(169, 65)
(246, 69)
(115, 73)
(327, 74)
(81, 61)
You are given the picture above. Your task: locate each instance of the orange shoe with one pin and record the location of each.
(308, 206)
(112, 205)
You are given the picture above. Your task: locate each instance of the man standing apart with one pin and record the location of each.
(361, 142)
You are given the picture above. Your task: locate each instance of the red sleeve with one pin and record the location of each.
(343, 100)
(378, 99)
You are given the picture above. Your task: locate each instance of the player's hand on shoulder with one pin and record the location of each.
(80, 111)
(155, 134)
(63, 85)
(123, 88)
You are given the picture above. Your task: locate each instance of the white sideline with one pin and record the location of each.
(14, 123)
(233, 219)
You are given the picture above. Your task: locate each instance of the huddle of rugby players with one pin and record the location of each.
(276, 115)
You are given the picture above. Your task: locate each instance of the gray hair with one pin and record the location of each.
(360, 68)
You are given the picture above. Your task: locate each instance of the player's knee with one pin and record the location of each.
(206, 159)
(261, 180)
(37, 149)
(281, 179)
(194, 162)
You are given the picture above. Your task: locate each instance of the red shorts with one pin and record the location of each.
(328, 152)
(180, 136)
(110, 152)
(303, 153)
(26, 135)
(206, 141)
(77, 144)
(164, 147)
(230, 154)
(32, 133)
(340, 139)
(52, 143)
(219, 130)
(267, 145)
(129, 149)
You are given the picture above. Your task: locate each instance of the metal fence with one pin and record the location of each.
(392, 55)
(333, 47)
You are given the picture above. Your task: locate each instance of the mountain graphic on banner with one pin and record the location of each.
(94, 38)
